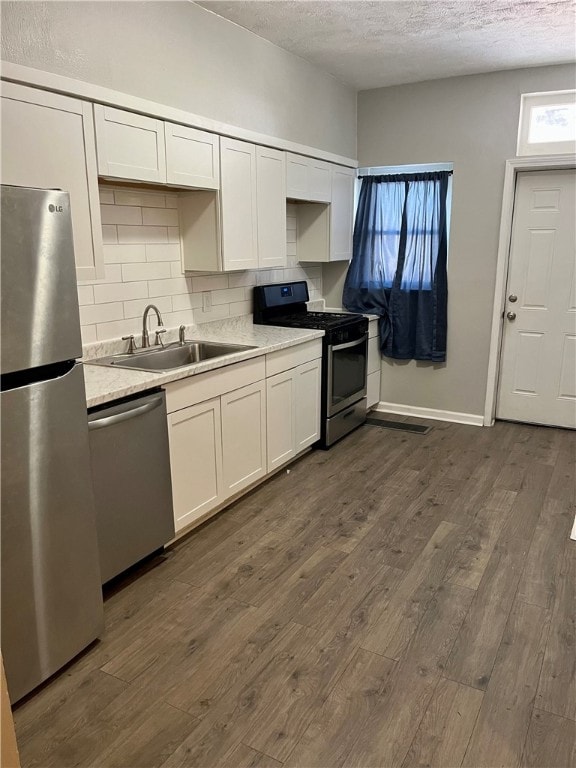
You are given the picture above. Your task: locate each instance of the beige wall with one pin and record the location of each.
(181, 55)
(470, 121)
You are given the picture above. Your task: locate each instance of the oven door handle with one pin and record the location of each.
(356, 343)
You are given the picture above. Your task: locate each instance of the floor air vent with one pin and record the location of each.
(376, 421)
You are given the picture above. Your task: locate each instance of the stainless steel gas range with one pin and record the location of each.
(344, 353)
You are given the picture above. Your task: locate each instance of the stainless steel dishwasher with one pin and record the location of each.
(131, 476)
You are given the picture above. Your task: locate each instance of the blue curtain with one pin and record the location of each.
(398, 267)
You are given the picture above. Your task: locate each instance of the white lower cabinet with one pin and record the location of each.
(292, 412)
(280, 410)
(308, 382)
(217, 445)
(374, 365)
(243, 437)
(230, 427)
(195, 460)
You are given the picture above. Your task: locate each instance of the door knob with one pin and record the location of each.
(511, 315)
(512, 298)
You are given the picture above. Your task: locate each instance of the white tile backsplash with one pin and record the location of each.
(143, 234)
(163, 252)
(122, 214)
(142, 266)
(120, 292)
(158, 270)
(164, 217)
(124, 254)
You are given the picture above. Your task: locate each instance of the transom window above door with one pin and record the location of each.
(547, 123)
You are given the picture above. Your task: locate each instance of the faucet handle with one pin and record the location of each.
(159, 331)
(182, 334)
(131, 343)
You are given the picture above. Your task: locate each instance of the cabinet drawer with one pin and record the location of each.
(374, 363)
(186, 392)
(284, 359)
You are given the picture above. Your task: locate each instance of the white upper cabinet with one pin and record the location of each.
(244, 227)
(271, 207)
(140, 148)
(341, 213)
(238, 204)
(307, 179)
(319, 185)
(192, 157)
(130, 146)
(48, 142)
(324, 232)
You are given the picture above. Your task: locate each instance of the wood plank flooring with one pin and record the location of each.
(400, 600)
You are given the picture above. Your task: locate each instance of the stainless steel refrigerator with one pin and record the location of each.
(51, 595)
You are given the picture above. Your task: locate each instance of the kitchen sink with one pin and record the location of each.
(172, 356)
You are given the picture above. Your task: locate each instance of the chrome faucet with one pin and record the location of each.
(145, 337)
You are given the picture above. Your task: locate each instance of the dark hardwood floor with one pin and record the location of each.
(401, 600)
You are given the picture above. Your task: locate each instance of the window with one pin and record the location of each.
(398, 267)
(547, 123)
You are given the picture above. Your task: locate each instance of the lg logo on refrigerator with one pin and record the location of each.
(55, 208)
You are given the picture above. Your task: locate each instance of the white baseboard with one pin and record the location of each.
(475, 420)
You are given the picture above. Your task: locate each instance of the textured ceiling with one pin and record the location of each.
(375, 44)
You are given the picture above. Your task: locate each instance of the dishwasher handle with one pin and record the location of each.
(100, 420)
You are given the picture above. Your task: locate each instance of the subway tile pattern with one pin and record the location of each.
(143, 265)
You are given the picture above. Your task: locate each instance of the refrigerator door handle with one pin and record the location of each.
(95, 422)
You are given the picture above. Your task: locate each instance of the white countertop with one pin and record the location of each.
(104, 383)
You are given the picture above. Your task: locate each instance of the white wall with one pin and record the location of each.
(471, 121)
(143, 266)
(180, 55)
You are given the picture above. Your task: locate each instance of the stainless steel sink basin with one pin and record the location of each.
(172, 356)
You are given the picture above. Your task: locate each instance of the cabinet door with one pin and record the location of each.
(130, 146)
(319, 181)
(195, 461)
(341, 213)
(48, 142)
(192, 157)
(280, 419)
(373, 389)
(374, 359)
(271, 208)
(308, 383)
(239, 205)
(296, 177)
(243, 436)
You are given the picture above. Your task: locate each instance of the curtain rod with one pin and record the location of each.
(403, 175)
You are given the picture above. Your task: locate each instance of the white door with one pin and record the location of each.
(280, 419)
(195, 461)
(271, 208)
(308, 385)
(129, 146)
(48, 142)
(192, 157)
(538, 361)
(238, 191)
(243, 436)
(341, 213)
